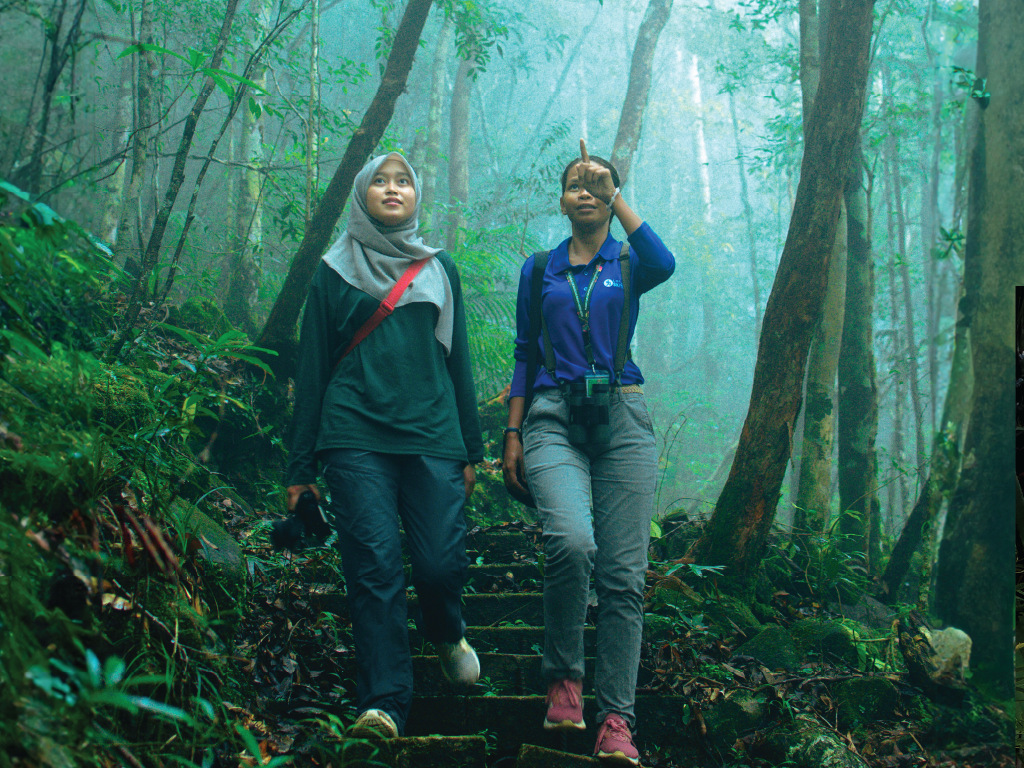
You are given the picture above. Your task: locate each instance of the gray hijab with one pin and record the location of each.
(372, 257)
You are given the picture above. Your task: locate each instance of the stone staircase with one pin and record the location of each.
(498, 723)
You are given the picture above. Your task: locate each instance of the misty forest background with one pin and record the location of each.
(828, 370)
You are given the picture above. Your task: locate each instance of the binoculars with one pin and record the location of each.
(305, 518)
(589, 402)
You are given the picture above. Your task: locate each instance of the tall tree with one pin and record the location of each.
(814, 488)
(858, 391)
(430, 161)
(975, 583)
(627, 138)
(243, 287)
(458, 155)
(737, 531)
(279, 331)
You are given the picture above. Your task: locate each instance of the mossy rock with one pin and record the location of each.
(726, 611)
(774, 647)
(122, 400)
(658, 629)
(202, 315)
(863, 700)
(734, 714)
(805, 743)
(828, 639)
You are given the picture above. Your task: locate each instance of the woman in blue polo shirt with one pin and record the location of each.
(586, 450)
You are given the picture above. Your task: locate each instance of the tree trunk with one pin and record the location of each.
(627, 138)
(814, 490)
(904, 275)
(707, 360)
(243, 289)
(432, 152)
(858, 392)
(30, 177)
(813, 498)
(737, 532)
(943, 469)
(128, 248)
(120, 139)
(313, 113)
(748, 217)
(975, 585)
(458, 156)
(279, 331)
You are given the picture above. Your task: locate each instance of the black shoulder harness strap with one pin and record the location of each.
(537, 324)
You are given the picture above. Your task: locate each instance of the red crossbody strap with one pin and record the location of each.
(387, 306)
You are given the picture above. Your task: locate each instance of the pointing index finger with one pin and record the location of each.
(583, 151)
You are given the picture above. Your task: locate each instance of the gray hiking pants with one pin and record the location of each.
(595, 506)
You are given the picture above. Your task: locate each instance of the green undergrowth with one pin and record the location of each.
(117, 627)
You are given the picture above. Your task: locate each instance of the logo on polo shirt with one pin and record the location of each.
(609, 283)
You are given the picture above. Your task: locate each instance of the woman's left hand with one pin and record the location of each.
(594, 178)
(469, 477)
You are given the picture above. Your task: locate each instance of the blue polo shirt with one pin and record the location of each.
(650, 264)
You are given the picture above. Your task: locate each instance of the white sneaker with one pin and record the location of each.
(459, 662)
(374, 724)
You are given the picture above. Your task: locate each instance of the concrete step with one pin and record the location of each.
(415, 752)
(503, 546)
(518, 720)
(500, 674)
(510, 639)
(489, 610)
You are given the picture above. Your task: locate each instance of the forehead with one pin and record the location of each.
(393, 166)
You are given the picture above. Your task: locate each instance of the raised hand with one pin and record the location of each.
(594, 178)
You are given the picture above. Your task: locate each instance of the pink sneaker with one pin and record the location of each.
(565, 706)
(615, 742)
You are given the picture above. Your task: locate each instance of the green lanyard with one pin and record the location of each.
(583, 310)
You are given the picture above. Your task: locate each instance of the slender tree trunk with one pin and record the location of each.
(120, 139)
(432, 152)
(243, 289)
(858, 391)
(60, 53)
(707, 360)
(279, 331)
(737, 533)
(975, 586)
(814, 490)
(748, 217)
(896, 178)
(152, 252)
(128, 248)
(943, 470)
(627, 137)
(458, 156)
(313, 113)
(930, 218)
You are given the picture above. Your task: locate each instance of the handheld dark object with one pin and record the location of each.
(306, 518)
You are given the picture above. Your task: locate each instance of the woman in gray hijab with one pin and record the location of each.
(393, 423)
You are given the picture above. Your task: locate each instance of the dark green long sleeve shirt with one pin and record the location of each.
(396, 392)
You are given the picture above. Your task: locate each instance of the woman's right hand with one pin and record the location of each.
(512, 469)
(294, 491)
